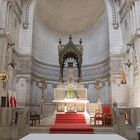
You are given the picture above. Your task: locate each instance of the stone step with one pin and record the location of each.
(97, 130)
(39, 129)
(104, 130)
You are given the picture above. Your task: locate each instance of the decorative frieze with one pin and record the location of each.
(88, 73)
(23, 65)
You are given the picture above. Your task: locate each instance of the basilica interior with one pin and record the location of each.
(69, 67)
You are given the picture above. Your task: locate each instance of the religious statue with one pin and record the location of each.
(65, 108)
(99, 105)
(70, 94)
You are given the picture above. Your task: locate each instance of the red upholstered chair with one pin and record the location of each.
(107, 115)
(106, 109)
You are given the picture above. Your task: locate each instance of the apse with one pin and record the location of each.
(82, 19)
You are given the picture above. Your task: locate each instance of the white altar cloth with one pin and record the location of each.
(73, 137)
(71, 101)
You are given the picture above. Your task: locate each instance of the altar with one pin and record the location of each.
(70, 97)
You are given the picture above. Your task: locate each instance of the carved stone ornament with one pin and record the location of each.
(70, 50)
(98, 84)
(4, 77)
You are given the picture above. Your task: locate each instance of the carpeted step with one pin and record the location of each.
(70, 124)
(71, 129)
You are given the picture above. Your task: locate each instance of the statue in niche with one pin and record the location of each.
(70, 94)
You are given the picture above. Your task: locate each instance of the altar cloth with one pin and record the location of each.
(73, 137)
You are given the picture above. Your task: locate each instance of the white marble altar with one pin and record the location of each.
(70, 97)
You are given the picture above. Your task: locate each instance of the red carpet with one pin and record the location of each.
(70, 124)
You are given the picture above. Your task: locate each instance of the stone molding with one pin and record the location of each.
(16, 8)
(19, 54)
(7, 35)
(57, 66)
(2, 32)
(114, 15)
(125, 8)
(134, 37)
(26, 22)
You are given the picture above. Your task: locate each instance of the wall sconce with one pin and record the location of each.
(12, 64)
(80, 41)
(128, 63)
(129, 46)
(25, 25)
(127, 50)
(60, 41)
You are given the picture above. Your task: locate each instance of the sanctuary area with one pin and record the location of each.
(69, 67)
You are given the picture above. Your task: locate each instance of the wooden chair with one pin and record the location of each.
(34, 118)
(108, 120)
(99, 119)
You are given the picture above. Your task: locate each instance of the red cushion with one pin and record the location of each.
(106, 109)
(99, 118)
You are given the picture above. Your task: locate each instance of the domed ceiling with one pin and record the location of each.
(70, 16)
(86, 19)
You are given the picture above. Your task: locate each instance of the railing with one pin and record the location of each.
(15, 122)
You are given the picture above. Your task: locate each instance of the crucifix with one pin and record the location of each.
(42, 86)
(70, 74)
